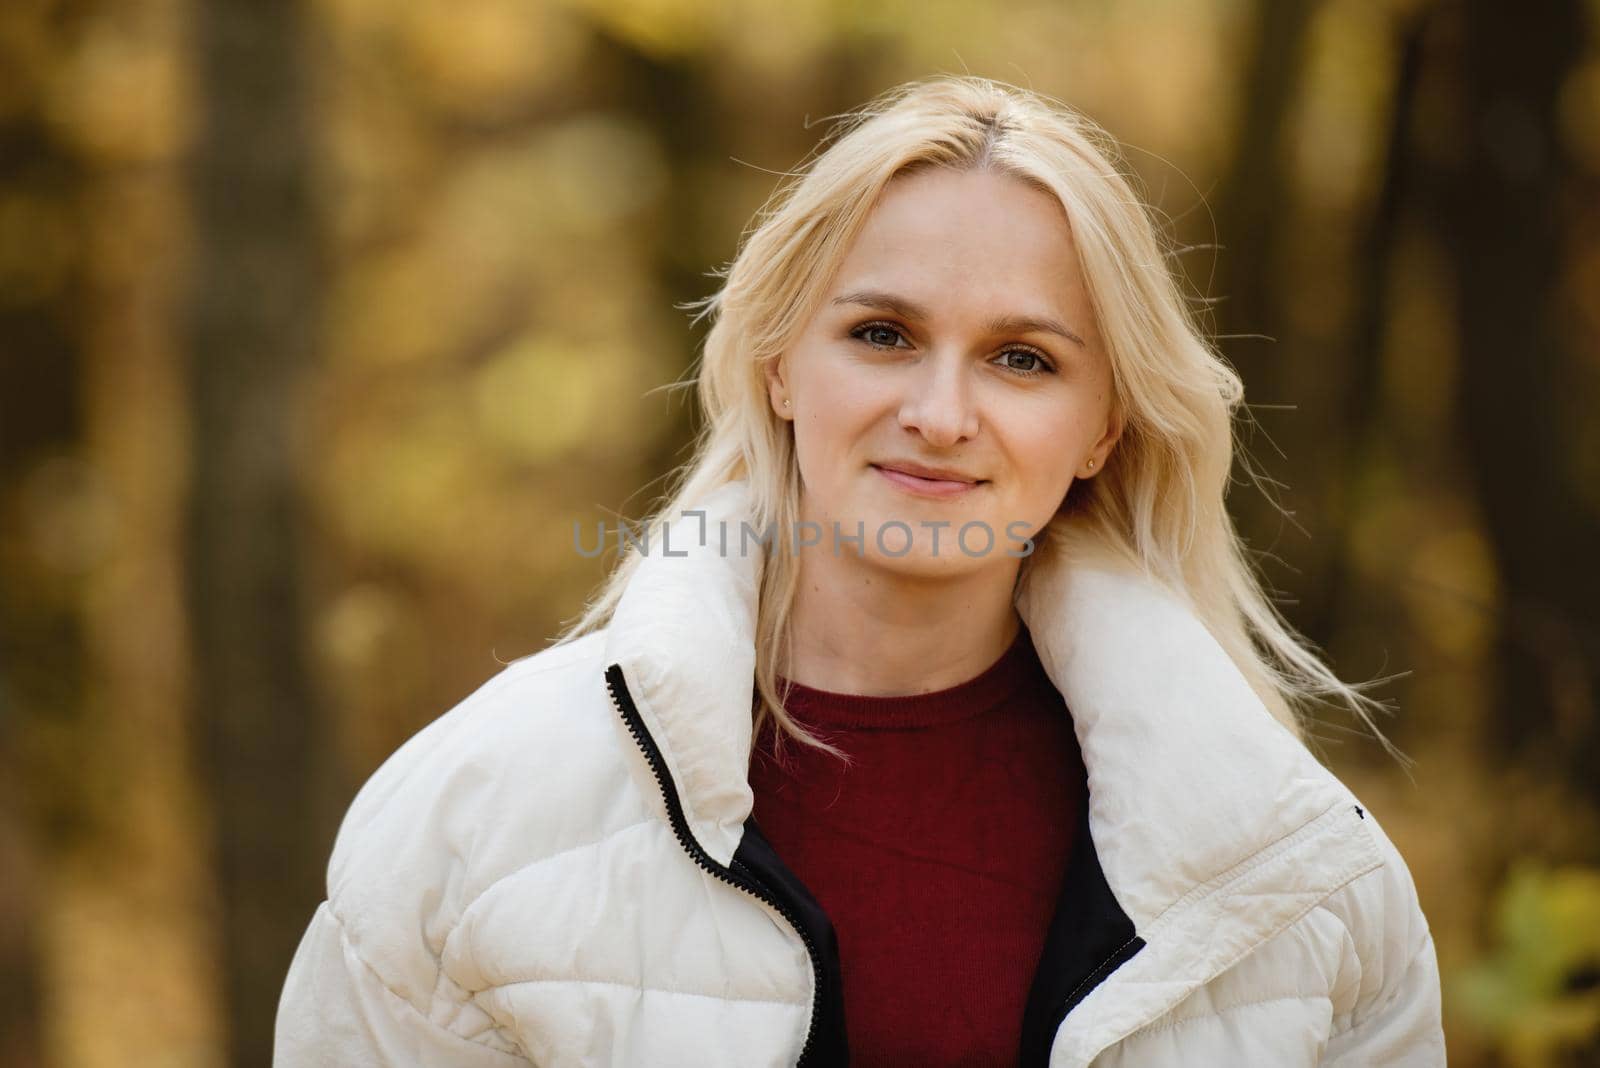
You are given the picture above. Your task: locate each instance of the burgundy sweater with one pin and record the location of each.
(938, 854)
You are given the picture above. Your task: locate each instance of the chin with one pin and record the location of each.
(929, 568)
(921, 562)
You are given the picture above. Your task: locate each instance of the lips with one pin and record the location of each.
(907, 477)
(932, 474)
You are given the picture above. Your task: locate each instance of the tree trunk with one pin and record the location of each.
(1506, 197)
(42, 654)
(250, 337)
(1251, 220)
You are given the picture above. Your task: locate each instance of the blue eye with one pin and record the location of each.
(865, 330)
(873, 334)
(1040, 364)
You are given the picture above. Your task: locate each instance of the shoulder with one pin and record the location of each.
(1355, 975)
(513, 773)
(455, 761)
(1387, 940)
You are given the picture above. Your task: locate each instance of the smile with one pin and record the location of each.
(937, 488)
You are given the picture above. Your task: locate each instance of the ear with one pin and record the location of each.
(1102, 448)
(778, 390)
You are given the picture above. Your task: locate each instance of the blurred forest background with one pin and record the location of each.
(321, 323)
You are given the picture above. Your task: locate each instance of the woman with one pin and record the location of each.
(948, 599)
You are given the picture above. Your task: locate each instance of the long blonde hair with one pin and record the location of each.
(1157, 504)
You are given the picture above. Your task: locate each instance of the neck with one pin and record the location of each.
(859, 628)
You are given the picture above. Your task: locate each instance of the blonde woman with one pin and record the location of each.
(938, 719)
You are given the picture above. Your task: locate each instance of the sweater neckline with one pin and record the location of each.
(965, 700)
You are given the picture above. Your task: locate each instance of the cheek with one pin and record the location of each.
(1044, 446)
(829, 444)
(842, 410)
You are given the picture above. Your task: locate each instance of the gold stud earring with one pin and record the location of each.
(786, 403)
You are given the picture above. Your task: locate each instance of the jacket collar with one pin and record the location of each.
(1196, 792)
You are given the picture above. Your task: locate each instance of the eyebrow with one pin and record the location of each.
(1000, 324)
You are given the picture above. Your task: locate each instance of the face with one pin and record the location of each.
(953, 374)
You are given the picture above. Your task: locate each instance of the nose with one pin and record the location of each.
(939, 404)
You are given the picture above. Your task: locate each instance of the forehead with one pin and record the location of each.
(974, 237)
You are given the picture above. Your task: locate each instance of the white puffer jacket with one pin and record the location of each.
(563, 870)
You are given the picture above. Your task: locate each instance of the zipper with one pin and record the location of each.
(739, 875)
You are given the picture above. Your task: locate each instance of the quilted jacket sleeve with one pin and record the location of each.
(368, 985)
(1396, 1020)
(335, 1010)
(1404, 1030)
